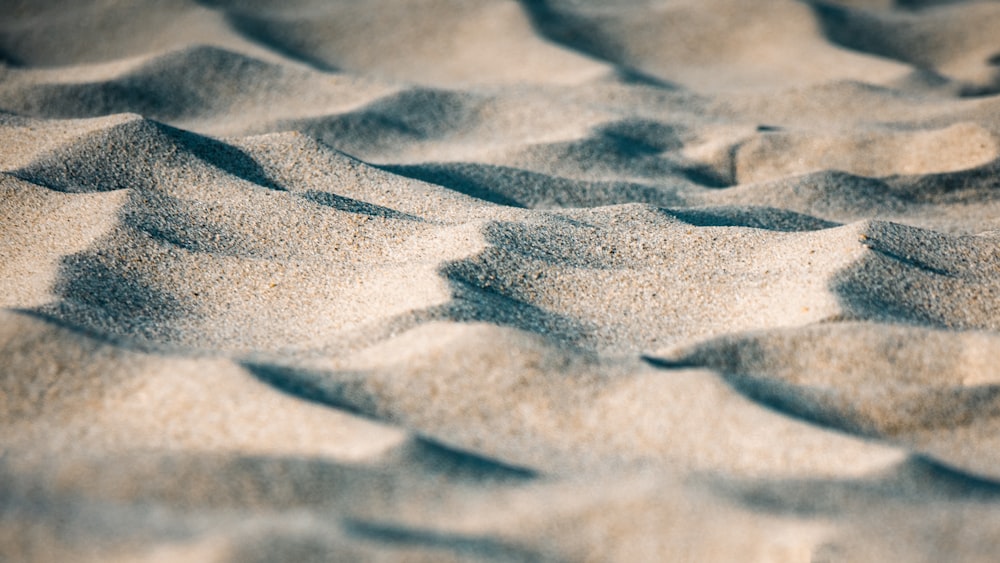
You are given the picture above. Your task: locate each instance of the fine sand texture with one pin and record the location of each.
(488, 280)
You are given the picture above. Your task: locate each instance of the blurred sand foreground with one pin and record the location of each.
(485, 280)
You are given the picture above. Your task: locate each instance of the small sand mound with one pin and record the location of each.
(878, 153)
(417, 41)
(192, 82)
(933, 391)
(155, 154)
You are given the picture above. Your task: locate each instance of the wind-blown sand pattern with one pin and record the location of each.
(486, 280)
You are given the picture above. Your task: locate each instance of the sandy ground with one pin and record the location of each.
(485, 280)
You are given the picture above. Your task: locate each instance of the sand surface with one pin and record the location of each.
(485, 280)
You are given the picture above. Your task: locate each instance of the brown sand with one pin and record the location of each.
(434, 280)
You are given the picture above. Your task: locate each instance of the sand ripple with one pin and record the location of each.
(484, 280)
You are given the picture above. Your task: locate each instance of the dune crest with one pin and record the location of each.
(536, 280)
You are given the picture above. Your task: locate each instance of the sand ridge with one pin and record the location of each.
(444, 280)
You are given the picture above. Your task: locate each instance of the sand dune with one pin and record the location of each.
(446, 280)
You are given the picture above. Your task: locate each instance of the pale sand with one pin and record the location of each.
(434, 280)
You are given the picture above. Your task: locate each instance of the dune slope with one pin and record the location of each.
(537, 280)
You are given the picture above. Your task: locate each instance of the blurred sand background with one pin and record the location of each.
(486, 280)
